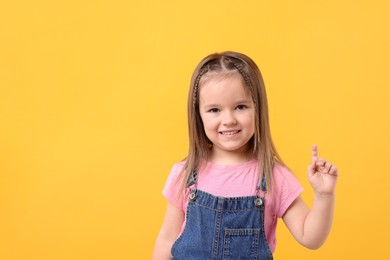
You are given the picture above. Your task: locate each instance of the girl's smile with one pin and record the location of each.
(230, 133)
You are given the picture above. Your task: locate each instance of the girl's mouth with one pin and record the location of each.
(232, 132)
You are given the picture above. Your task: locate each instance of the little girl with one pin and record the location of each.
(225, 198)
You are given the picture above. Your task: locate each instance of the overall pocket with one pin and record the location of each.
(241, 243)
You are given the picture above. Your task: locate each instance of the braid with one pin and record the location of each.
(243, 74)
(202, 71)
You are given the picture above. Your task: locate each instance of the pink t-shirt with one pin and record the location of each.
(236, 181)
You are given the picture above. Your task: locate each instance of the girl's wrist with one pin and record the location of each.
(324, 196)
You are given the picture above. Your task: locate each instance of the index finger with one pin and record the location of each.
(314, 153)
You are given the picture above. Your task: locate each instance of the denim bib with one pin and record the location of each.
(223, 228)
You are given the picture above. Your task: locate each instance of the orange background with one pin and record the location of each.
(93, 115)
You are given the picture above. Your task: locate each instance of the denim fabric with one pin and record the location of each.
(222, 228)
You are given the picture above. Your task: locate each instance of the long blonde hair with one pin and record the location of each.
(261, 143)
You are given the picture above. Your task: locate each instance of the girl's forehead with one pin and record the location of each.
(214, 77)
(224, 90)
(222, 80)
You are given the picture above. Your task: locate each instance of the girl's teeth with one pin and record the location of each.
(230, 132)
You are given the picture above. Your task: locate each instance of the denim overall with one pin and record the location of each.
(223, 228)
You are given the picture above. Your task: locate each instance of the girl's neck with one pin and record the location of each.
(228, 158)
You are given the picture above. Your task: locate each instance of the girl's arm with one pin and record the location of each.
(311, 227)
(173, 221)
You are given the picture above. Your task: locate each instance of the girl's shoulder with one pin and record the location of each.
(284, 177)
(286, 189)
(176, 169)
(280, 169)
(178, 165)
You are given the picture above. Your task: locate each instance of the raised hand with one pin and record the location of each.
(322, 174)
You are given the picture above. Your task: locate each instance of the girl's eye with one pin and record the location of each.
(241, 107)
(214, 110)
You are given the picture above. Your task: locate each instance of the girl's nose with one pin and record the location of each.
(229, 119)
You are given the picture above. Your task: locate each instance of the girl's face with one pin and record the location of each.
(228, 114)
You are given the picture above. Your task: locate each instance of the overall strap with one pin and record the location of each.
(193, 178)
(262, 184)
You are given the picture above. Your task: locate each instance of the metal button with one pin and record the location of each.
(258, 202)
(192, 195)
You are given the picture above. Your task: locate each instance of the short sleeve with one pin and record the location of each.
(172, 187)
(287, 189)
